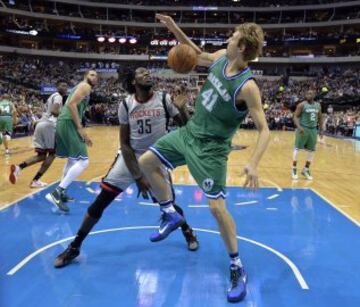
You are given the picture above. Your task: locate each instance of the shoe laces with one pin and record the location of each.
(234, 276)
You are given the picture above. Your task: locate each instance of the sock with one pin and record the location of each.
(23, 165)
(37, 176)
(235, 259)
(167, 206)
(185, 227)
(60, 190)
(295, 157)
(87, 224)
(73, 172)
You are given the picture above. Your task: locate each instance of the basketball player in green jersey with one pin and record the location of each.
(71, 138)
(227, 96)
(7, 121)
(307, 118)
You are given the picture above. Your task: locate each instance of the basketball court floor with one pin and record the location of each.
(299, 241)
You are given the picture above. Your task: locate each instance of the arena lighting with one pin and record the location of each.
(164, 42)
(111, 39)
(33, 32)
(101, 39)
(173, 42)
(122, 40)
(358, 40)
(133, 40)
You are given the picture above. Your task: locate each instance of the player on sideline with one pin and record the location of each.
(44, 138)
(7, 121)
(71, 138)
(143, 117)
(228, 94)
(307, 118)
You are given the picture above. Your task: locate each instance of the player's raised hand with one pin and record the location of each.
(252, 179)
(166, 20)
(143, 187)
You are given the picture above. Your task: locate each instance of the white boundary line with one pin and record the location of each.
(292, 266)
(198, 206)
(336, 207)
(27, 195)
(273, 196)
(145, 203)
(243, 203)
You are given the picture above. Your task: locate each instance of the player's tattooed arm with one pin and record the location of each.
(296, 117)
(128, 152)
(250, 93)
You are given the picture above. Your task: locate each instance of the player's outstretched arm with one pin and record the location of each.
(250, 93)
(204, 58)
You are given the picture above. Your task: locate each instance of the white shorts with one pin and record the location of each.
(120, 177)
(44, 136)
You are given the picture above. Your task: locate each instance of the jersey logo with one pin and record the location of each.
(219, 87)
(208, 184)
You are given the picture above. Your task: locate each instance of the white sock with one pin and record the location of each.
(295, 154)
(68, 165)
(73, 172)
(310, 156)
(235, 260)
(167, 206)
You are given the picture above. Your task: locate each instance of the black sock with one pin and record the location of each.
(86, 226)
(23, 165)
(38, 176)
(185, 226)
(60, 190)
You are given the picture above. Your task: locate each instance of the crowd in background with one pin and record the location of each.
(22, 79)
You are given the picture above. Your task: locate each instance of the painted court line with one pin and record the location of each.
(198, 206)
(336, 207)
(243, 203)
(292, 266)
(273, 196)
(144, 203)
(27, 195)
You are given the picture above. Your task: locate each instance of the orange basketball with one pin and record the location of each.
(182, 58)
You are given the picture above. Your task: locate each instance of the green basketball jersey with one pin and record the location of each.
(6, 108)
(309, 116)
(216, 116)
(65, 112)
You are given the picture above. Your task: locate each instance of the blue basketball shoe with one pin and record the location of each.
(238, 279)
(168, 223)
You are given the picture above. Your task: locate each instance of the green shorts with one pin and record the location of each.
(206, 159)
(68, 142)
(6, 124)
(307, 140)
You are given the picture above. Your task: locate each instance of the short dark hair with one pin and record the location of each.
(128, 78)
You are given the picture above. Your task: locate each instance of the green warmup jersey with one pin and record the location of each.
(309, 117)
(205, 142)
(216, 116)
(6, 108)
(68, 141)
(65, 113)
(309, 120)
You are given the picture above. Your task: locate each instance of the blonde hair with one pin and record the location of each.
(252, 37)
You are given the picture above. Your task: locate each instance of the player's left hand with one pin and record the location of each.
(252, 179)
(143, 187)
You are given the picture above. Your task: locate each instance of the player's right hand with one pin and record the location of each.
(301, 130)
(85, 137)
(166, 20)
(143, 187)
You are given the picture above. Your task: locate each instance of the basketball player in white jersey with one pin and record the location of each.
(44, 138)
(143, 117)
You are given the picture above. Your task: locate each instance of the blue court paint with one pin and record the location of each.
(123, 268)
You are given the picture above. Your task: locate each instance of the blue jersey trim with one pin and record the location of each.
(234, 76)
(236, 93)
(216, 62)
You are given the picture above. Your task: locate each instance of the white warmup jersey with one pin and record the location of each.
(53, 100)
(147, 120)
(147, 123)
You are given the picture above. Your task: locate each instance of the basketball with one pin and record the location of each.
(182, 58)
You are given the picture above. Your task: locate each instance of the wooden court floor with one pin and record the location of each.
(336, 168)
